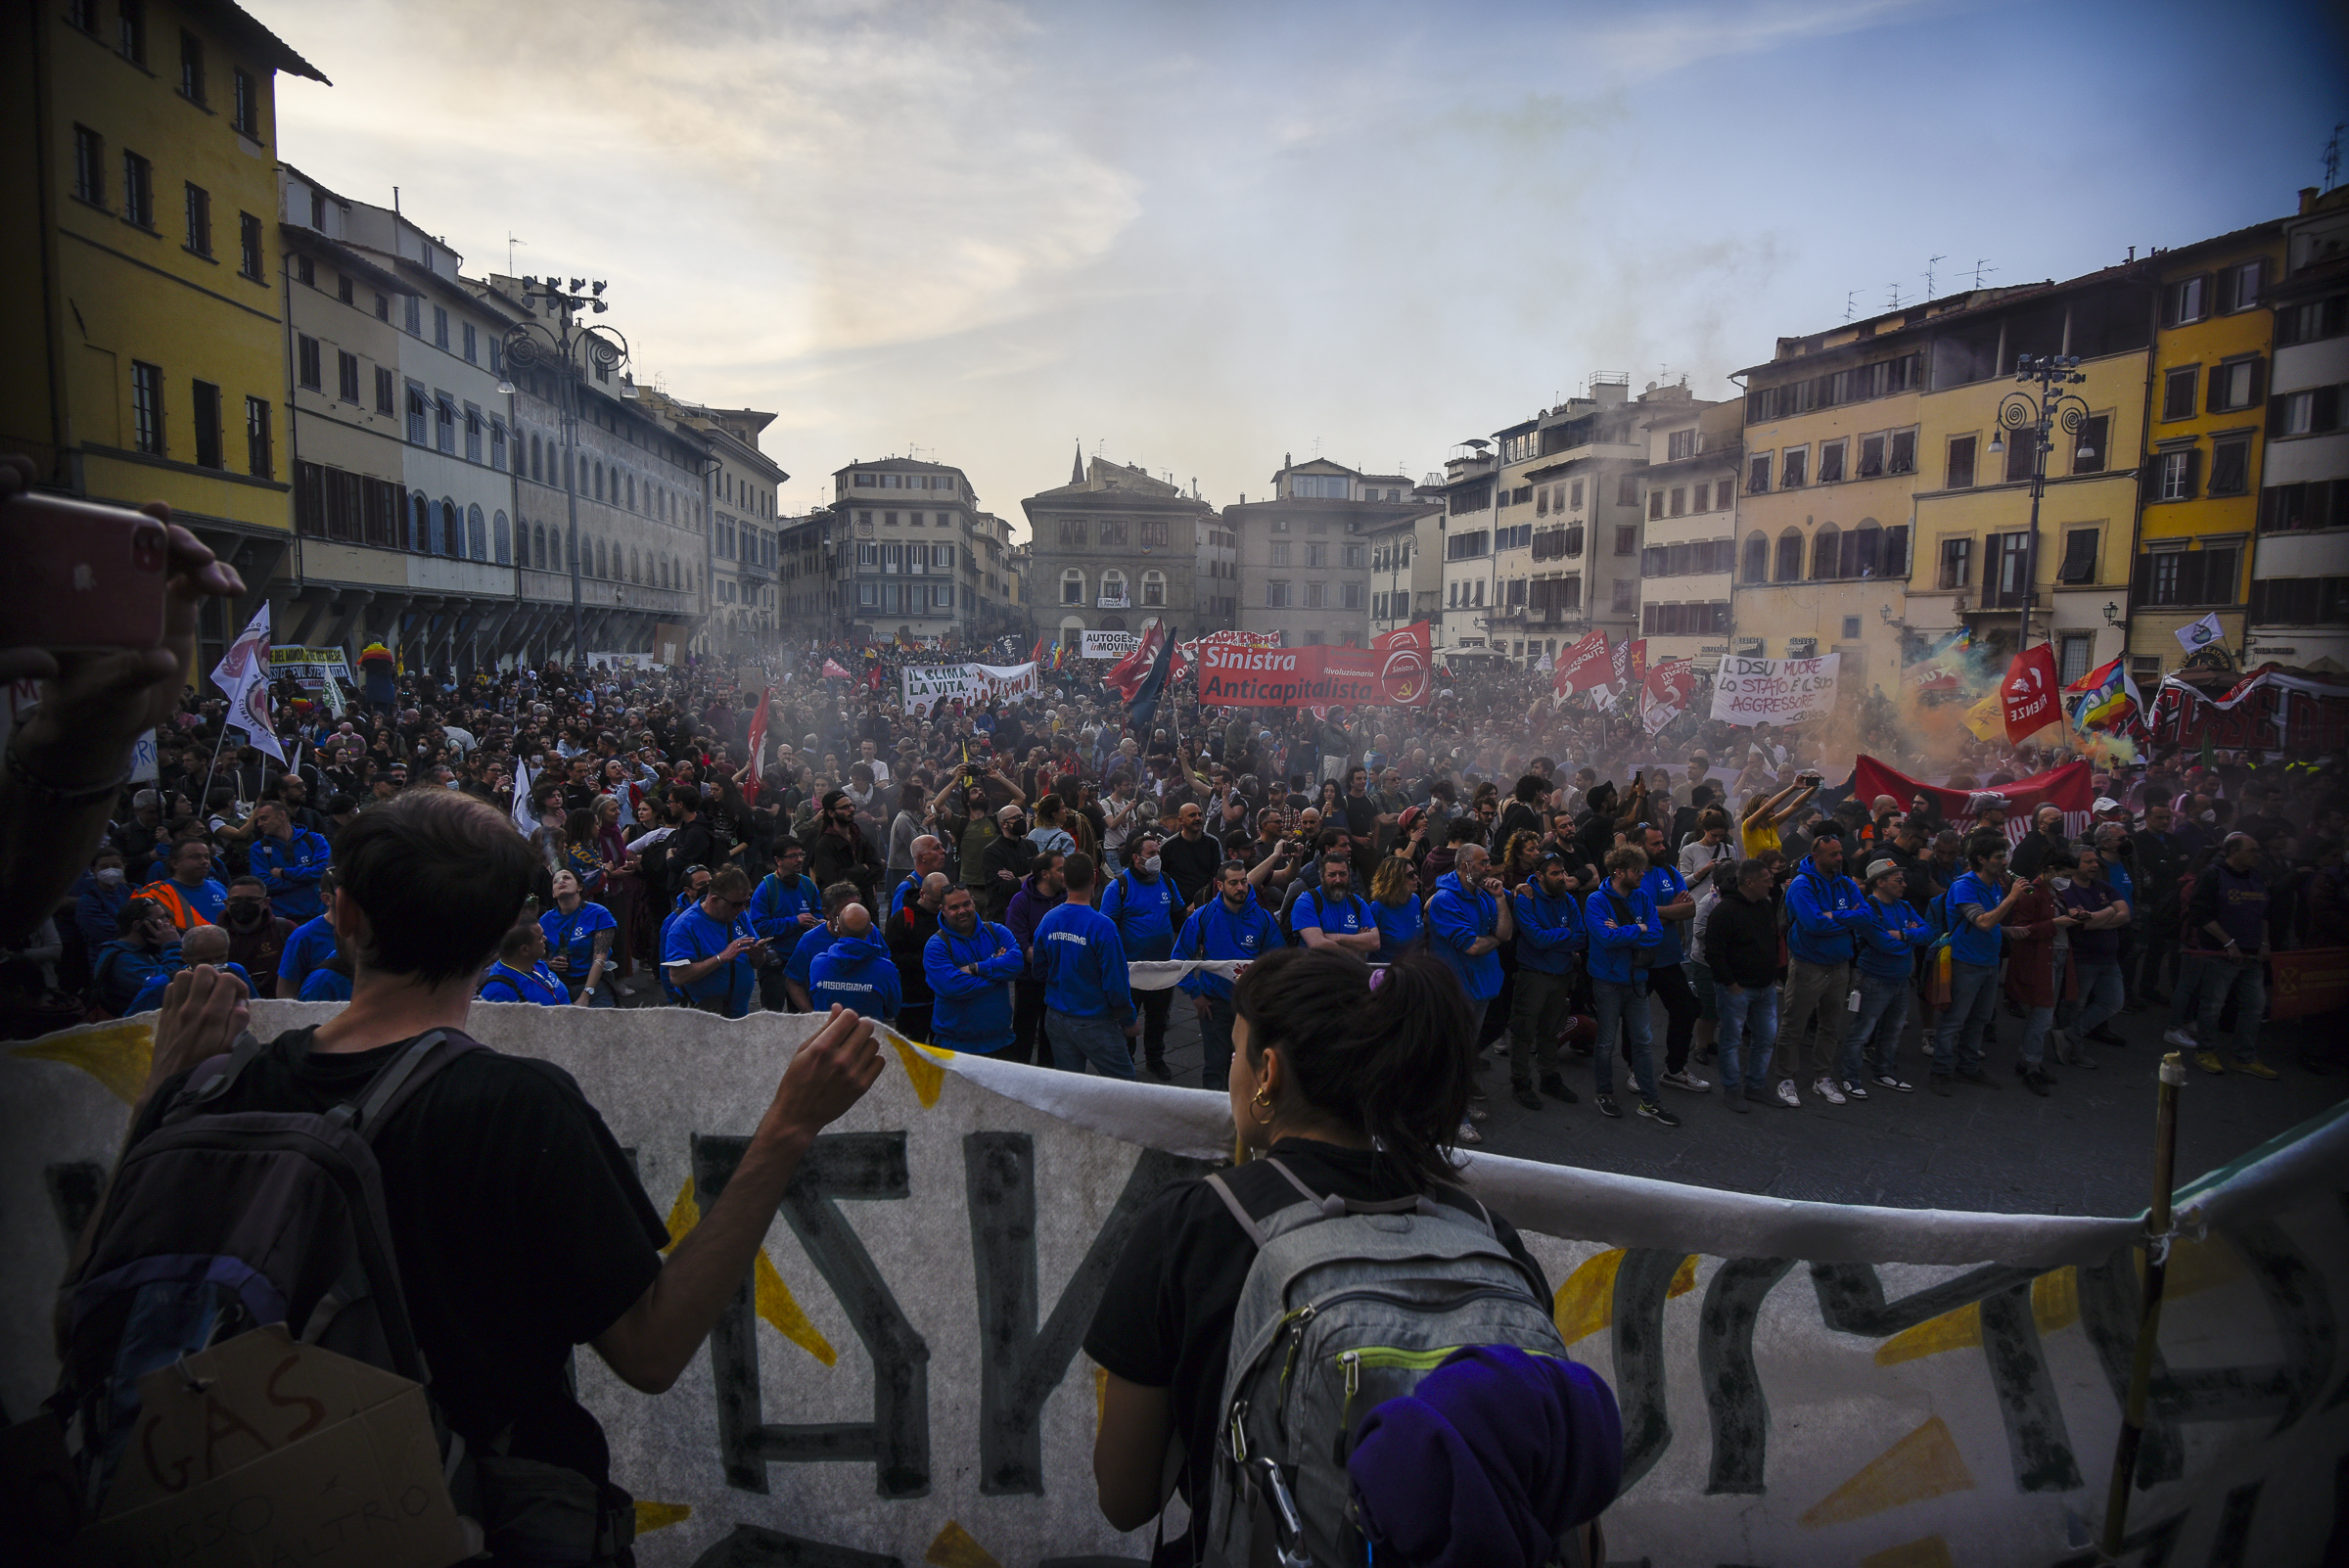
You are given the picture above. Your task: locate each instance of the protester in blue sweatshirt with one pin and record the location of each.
(970, 964)
(1468, 920)
(206, 945)
(1088, 1005)
(784, 907)
(1821, 902)
(1232, 926)
(1977, 903)
(815, 944)
(520, 973)
(1891, 934)
(289, 862)
(311, 943)
(1549, 935)
(854, 971)
(97, 908)
(148, 944)
(1623, 929)
(1148, 913)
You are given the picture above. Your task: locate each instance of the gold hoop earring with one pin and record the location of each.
(1260, 1107)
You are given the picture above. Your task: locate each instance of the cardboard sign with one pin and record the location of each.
(265, 1450)
(1773, 691)
(923, 687)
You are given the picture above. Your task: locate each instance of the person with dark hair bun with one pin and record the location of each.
(1358, 1085)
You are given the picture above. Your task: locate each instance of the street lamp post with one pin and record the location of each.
(2040, 414)
(570, 348)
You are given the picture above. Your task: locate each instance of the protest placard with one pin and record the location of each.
(1773, 691)
(922, 687)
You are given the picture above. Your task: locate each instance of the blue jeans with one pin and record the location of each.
(2034, 1049)
(1973, 997)
(2246, 980)
(1215, 1043)
(1875, 1037)
(2101, 995)
(1098, 1040)
(1749, 1017)
(2186, 993)
(1624, 1002)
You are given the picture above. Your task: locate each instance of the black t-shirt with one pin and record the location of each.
(519, 1225)
(1164, 1318)
(1191, 864)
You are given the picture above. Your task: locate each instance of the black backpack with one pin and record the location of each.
(217, 1222)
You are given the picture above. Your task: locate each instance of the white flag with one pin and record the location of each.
(252, 714)
(2201, 634)
(522, 797)
(247, 659)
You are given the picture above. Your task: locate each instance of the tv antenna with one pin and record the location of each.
(1931, 262)
(1981, 267)
(1851, 303)
(511, 242)
(1896, 295)
(2332, 157)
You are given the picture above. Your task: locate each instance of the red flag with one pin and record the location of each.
(1406, 664)
(833, 671)
(2030, 695)
(1666, 692)
(1583, 666)
(2070, 789)
(749, 783)
(1127, 675)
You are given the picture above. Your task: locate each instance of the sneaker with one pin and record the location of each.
(1852, 1089)
(1555, 1088)
(2183, 1038)
(2209, 1061)
(1654, 1111)
(1521, 1089)
(1978, 1079)
(1786, 1093)
(1469, 1134)
(1479, 1111)
(1686, 1079)
(1940, 1085)
(1885, 1081)
(2258, 1070)
(1826, 1089)
(1734, 1098)
(1157, 1069)
(1608, 1106)
(2036, 1081)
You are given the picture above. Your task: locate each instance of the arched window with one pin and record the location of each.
(420, 526)
(477, 534)
(599, 481)
(497, 526)
(538, 545)
(1756, 557)
(1790, 557)
(1154, 589)
(538, 459)
(1864, 550)
(1113, 587)
(635, 574)
(1072, 587)
(631, 492)
(603, 563)
(1825, 559)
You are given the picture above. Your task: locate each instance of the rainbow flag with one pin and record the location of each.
(2105, 698)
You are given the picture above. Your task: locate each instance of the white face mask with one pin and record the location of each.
(110, 876)
(1149, 867)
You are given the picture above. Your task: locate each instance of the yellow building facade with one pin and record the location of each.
(2204, 443)
(141, 135)
(1977, 559)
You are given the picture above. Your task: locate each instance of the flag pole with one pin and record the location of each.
(205, 804)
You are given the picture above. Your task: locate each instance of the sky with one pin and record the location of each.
(1199, 237)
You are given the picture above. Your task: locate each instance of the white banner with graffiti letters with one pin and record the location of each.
(1773, 691)
(1800, 1382)
(923, 687)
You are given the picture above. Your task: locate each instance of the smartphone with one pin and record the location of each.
(83, 576)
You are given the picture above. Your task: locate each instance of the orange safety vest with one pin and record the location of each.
(185, 915)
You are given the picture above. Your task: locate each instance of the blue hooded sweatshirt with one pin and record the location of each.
(1456, 918)
(775, 909)
(1145, 913)
(1549, 931)
(1616, 922)
(290, 871)
(1890, 934)
(1214, 932)
(1821, 910)
(971, 1012)
(857, 973)
(1083, 964)
(151, 994)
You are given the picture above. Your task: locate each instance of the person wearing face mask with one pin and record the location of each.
(146, 944)
(99, 910)
(1142, 904)
(256, 935)
(1006, 860)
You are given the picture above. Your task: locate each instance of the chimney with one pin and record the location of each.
(2308, 199)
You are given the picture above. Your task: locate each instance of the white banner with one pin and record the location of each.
(922, 687)
(310, 665)
(1800, 1382)
(1107, 644)
(1773, 691)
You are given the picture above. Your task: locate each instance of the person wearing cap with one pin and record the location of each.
(1890, 934)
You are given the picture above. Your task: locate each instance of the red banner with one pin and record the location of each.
(2031, 695)
(757, 739)
(2068, 788)
(1392, 672)
(1584, 666)
(2308, 981)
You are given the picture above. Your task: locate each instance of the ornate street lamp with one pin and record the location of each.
(2036, 416)
(571, 351)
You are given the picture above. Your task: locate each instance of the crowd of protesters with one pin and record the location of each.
(985, 877)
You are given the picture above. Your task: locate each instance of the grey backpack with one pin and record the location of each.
(1347, 1305)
